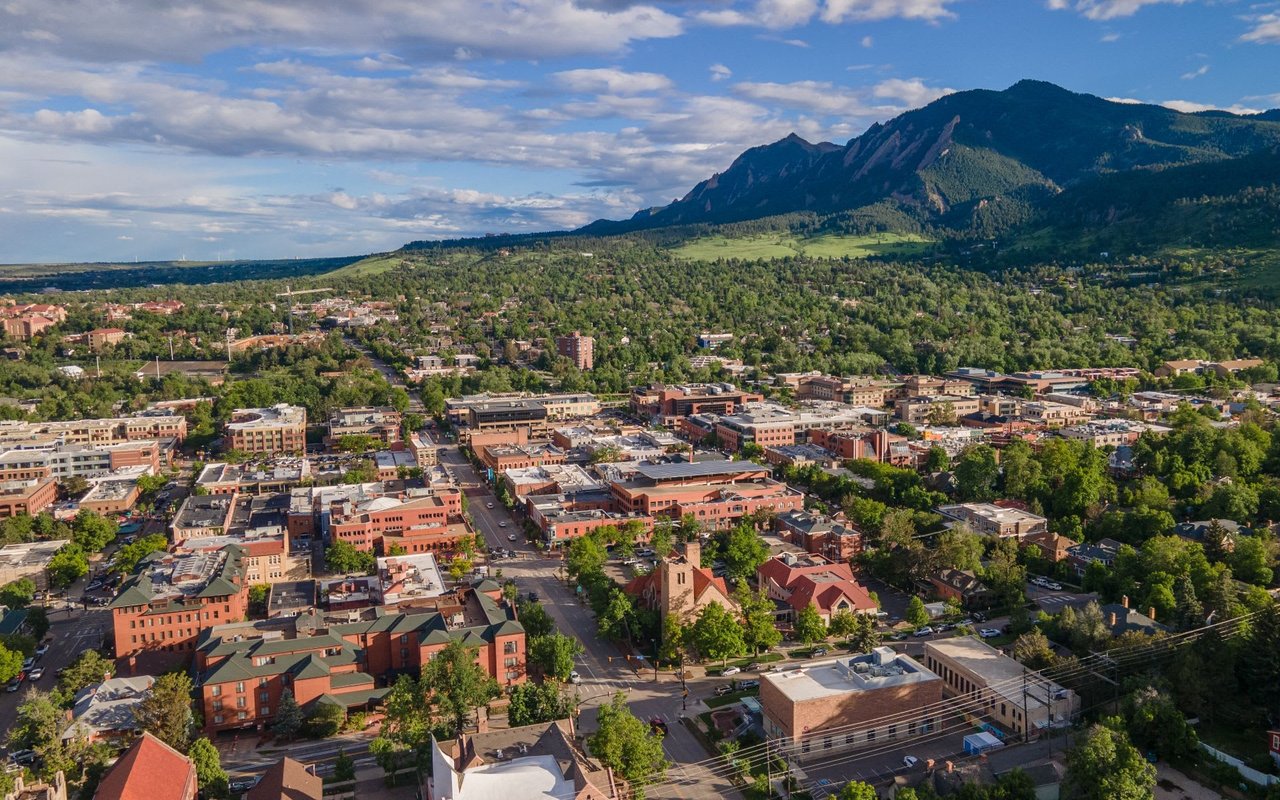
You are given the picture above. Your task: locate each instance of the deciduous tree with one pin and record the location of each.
(627, 745)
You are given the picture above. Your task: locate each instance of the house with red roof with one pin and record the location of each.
(680, 586)
(798, 579)
(149, 770)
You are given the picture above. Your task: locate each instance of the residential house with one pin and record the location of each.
(800, 581)
(821, 535)
(287, 780)
(963, 586)
(105, 711)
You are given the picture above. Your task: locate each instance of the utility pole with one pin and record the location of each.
(97, 361)
(170, 347)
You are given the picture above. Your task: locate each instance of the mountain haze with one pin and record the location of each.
(975, 162)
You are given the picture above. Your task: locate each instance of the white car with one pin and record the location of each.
(511, 537)
(910, 761)
(1056, 587)
(574, 677)
(502, 524)
(36, 674)
(988, 633)
(732, 671)
(488, 505)
(925, 631)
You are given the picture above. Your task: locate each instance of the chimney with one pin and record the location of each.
(693, 552)
(1124, 601)
(1151, 612)
(1113, 619)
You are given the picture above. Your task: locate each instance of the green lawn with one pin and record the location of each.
(730, 698)
(373, 265)
(781, 245)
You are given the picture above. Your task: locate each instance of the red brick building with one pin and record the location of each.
(670, 403)
(577, 348)
(812, 580)
(27, 496)
(716, 493)
(426, 515)
(170, 599)
(149, 770)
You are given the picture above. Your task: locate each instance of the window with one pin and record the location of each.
(805, 746)
(893, 731)
(871, 735)
(217, 690)
(217, 719)
(242, 715)
(240, 702)
(264, 696)
(217, 705)
(510, 662)
(509, 648)
(240, 686)
(826, 742)
(848, 738)
(264, 711)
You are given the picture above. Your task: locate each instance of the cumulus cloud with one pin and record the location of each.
(1203, 69)
(1265, 30)
(779, 14)
(719, 72)
(1191, 107)
(611, 81)
(1107, 9)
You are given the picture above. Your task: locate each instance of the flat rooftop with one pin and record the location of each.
(880, 669)
(695, 469)
(203, 511)
(29, 554)
(989, 511)
(1002, 674)
(273, 417)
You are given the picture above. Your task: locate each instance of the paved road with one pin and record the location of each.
(73, 632)
(392, 375)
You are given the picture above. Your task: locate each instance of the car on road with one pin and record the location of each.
(724, 689)
(658, 724)
(910, 761)
(42, 649)
(15, 684)
(821, 651)
(745, 685)
(488, 505)
(978, 616)
(28, 663)
(23, 757)
(574, 677)
(36, 674)
(1055, 587)
(502, 524)
(897, 637)
(925, 631)
(732, 671)
(988, 633)
(511, 537)
(533, 597)
(94, 586)
(243, 784)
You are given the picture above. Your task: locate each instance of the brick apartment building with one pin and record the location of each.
(424, 520)
(157, 425)
(851, 703)
(29, 497)
(279, 429)
(716, 493)
(242, 672)
(577, 348)
(382, 423)
(64, 461)
(668, 404)
(502, 457)
(834, 541)
(800, 581)
(164, 605)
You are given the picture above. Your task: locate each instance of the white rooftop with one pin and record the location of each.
(880, 669)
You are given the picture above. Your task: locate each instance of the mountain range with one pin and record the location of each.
(1036, 161)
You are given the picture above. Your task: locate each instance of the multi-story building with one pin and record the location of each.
(666, 405)
(985, 682)
(100, 338)
(502, 457)
(279, 475)
(279, 429)
(104, 712)
(203, 515)
(550, 479)
(845, 704)
(506, 416)
(855, 442)
(544, 760)
(423, 520)
(679, 587)
(800, 581)
(23, 322)
(716, 493)
(29, 497)
(918, 410)
(164, 605)
(258, 525)
(995, 519)
(381, 423)
(834, 541)
(403, 579)
(112, 494)
(160, 424)
(150, 769)
(62, 461)
(577, 348)
(28, 560)
(243, 669)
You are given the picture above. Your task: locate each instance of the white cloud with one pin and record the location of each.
(930, 10)
(612, 81)
(1107, 9)
(1109, 37)
(1265, 30)
(912, 92)
(867, 41)
(1203, 69)
(1127, 101)
(1190, 107)
(720, 72)
(780, 14)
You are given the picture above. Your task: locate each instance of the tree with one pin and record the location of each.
(1085, 630)
(716, 634)
(39, 724)
(662, 541)
(67, 566)
(1252, 560)
(810, 627)
(128, 556)
(166, 711)
(857, 790)
(288, 719)
(627, 745)
(537, 702)
(617, 617)
(916, 614)
(555, 654)
(92, 531)
(457, 684)
(209, 772)
(344, 767)
(325, 720)
(357, 443)
(343, 558)
(1103, 765)
(1188, 612)
(759, 626)
(586, 556)
(18, 594)
(958, 548)
(1155, 723)
(1004, 575)
(977, 473)
(744, 551)
(1032, 650)
(534, 618)
(843, 624)
(937, 460)
(37, 622)
(1259, 665)
(88, 669)
(10, 664)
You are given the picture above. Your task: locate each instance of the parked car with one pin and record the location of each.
(533, 597)
(42, 649)
(910, 761)
(36, 674)
(925, 631)
(241, 785)
(28, 663)
(658, 724)
(723, 689)
(511, 537)
(23, 757)
(15, 684)
(732, 671)
(899, 636)
(819, 652)
(988, 633)
(574, 677)
(745, 685)
(1057, 587)
(978, 616)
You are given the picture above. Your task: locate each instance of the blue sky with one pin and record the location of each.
(279, 128)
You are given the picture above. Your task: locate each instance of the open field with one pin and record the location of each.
(782, 245)
(373, 265)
